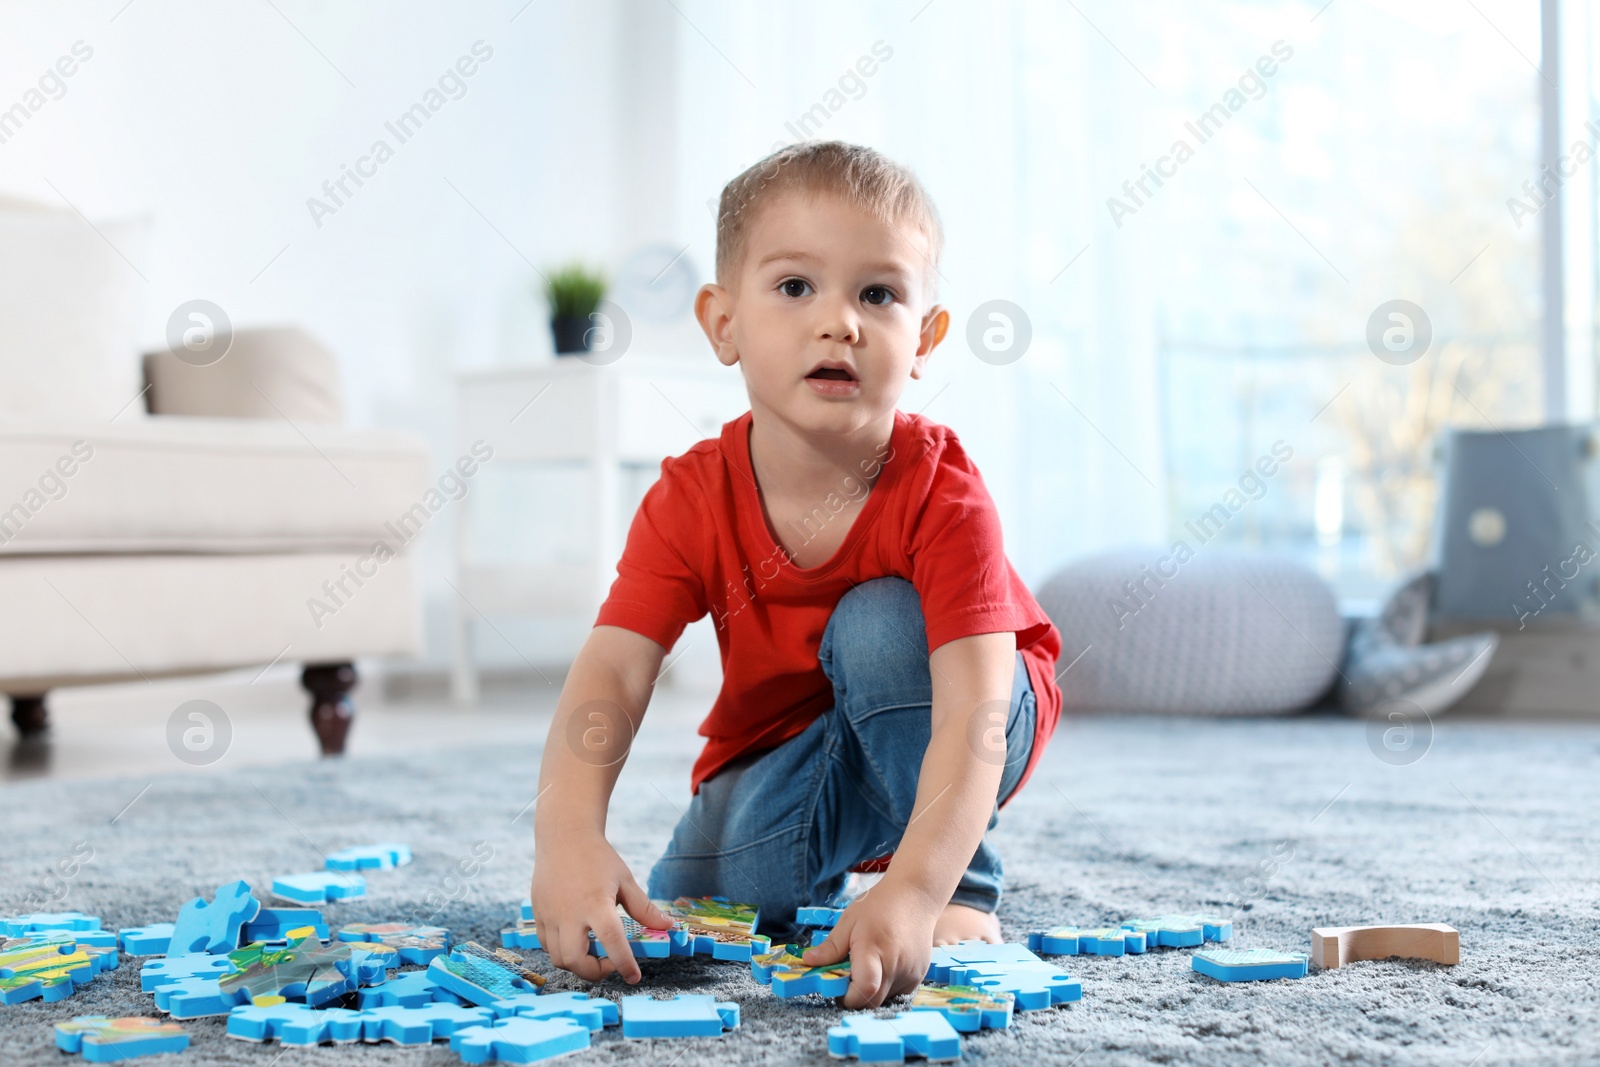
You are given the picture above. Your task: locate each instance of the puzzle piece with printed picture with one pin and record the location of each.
(49, 966)
(482, 976)
(105, 1040)
(716, 927)
(790, 976)
(965, 1007)
(414, 944)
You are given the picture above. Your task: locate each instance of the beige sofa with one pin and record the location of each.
(187, 519)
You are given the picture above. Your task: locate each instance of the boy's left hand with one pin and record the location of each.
(887, 934)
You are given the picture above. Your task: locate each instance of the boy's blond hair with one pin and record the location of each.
(861, 176)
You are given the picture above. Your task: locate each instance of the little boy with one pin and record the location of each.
(888, 680)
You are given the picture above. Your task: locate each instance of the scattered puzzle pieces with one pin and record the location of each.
(369, 858)
(518, 1040)
(790, 976)
(414, 944)
(645, 942)
(593, 1012)
(1248, 964)
(966, 1008)
(685, 1015)
(1034, 986)
(972, 952)
(872, 1040)
(294, 1024)
(1111, 941)
(276, 924)
(1182, 931)
(105, 1040)
(827, 918)
(1056, 941)
(214, 927)
(48, 966)
(421, 1025)
(319, 887)
(716, 927)
(305, 970)
(42, 922)
(152, 940)
(483, 976)
(413, 989)
(157, 973)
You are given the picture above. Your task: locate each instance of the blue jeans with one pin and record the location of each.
(782, 828)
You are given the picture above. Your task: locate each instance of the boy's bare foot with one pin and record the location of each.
(960, 923)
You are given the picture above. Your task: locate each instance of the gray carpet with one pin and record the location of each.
(1493, 831)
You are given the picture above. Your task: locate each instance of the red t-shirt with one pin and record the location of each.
(700, 543)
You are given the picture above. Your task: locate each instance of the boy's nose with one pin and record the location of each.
(839, 326)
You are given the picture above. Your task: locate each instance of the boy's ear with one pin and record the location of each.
(935, 324)
(713, 306)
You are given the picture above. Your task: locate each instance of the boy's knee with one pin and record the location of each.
(877, 621)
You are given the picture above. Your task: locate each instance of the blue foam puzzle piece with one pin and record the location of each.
(274, 924)
(412, 989)
(527, 909)
(1056, 941)
(96, 938)
(524, 935)
(368, 858)
(49, 966)
(1183, 931)
(685, 1015)
(169, 969)
(518, 1040)
(789, 975)
(413, 944)
(195, 998)
(871, 1040)
(421, 1025)
(815, 916)
(1111, 941)
(967, 1008)
(41, 922)
(1249, 964)
(152, 940)
(593, 1012)
(1034, 985)
(214, 927)
(476, 975)
(105, 1040)
(319, 887)
(972, 952)
(294, 1024)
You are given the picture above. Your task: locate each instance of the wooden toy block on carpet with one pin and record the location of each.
(910, 1033)
(1335, 946)
(105, 1040)
(685, 1015)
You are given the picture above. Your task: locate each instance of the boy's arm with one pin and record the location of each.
(578, 878)
(888, 932)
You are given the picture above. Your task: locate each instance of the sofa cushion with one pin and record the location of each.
(209, 485)
(70, 307)
(268, 372)
(1219, 631)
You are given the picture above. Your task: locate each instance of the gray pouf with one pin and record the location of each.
(1214, 632)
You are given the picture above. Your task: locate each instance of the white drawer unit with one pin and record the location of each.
(631, 413)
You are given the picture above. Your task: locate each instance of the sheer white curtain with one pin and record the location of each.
(1006, 113)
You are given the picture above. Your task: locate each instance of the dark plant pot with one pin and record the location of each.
(571, 333)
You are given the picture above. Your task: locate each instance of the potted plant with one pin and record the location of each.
(573, 293)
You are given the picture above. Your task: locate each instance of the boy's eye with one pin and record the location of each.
(877, 295)
(795, 287)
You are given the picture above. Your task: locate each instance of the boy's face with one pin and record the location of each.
(825, 282)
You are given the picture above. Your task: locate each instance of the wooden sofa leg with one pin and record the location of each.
(331, 709)
(30, 715)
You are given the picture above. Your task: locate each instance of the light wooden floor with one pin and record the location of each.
(109, 731)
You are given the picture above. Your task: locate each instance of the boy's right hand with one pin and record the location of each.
(576, 888)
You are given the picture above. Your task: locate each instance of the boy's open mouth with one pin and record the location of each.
(834, 371)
